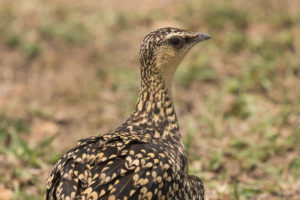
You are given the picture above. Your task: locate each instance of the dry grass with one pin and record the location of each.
(69, 69)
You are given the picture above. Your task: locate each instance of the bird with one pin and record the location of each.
(143, 158)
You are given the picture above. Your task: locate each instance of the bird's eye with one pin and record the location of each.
(176, 42)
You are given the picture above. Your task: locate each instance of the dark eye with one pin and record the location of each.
(176, 42)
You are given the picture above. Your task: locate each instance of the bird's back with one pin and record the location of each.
(118, 166)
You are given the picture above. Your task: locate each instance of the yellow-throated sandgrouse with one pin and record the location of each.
(144, 158)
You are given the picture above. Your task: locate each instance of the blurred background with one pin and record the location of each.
(70, 70)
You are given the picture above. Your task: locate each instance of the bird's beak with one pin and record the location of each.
(202, 36)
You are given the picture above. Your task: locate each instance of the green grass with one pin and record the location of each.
(28, 157)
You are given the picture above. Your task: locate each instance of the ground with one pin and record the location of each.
(69, 70)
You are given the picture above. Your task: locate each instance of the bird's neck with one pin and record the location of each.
(154, 111)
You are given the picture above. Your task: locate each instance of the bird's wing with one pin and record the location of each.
(64, 179)
(112, 168)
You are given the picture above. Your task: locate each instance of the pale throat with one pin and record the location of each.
(167, 64)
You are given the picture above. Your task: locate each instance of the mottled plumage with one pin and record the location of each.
(144, 158)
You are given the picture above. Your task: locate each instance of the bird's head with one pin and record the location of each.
(163, 50)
